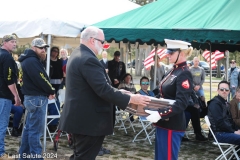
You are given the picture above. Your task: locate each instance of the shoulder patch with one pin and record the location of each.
(185, 84)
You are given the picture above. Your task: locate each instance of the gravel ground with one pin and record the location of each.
(122, 147)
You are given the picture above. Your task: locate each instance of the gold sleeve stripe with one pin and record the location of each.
(45, 79)
(9, 74)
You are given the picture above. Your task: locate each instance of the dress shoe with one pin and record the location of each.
(106, 151)
(200, 137)
(100, 153)
(15, 132)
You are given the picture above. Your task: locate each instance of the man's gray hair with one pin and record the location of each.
(89, 32)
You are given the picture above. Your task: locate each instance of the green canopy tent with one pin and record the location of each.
(206, 24)
(198, 22)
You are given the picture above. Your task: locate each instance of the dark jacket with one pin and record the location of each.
(220, 116)
(35, 78)
(235, 110)
(105, 65)
(176, 85)
(116, 70)
(8, 74)
(88, 106)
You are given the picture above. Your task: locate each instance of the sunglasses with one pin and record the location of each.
(222, 89)
(145, 83)
(99, 40)
(232, 62)
(41, 48)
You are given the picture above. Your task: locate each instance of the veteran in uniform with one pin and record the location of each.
(116, 69)
(177, 85)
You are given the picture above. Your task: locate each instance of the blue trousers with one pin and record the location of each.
(5, 107)
(225, 137)
(18, 112)
(167, 144)
(33, 130)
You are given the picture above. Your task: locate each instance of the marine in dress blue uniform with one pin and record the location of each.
(177, 85)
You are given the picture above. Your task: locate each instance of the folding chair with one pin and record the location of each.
(145, 124)
(230, 149)
(122, 117)
(9, 131)
(52, 117)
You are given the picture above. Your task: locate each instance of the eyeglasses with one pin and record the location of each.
(99, 40)
(145, 83)
(222, 89)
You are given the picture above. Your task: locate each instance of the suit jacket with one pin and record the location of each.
(116, 70)
(105, 65)
(88, 106)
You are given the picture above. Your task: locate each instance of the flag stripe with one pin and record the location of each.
(148, 62)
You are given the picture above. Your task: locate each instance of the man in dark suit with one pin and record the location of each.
(116, 69)
(89, 96)
(104, 60)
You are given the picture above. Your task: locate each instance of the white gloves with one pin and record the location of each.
(154, 116)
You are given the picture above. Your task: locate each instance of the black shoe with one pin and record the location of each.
(15, 132)
(184, 139)
(105, 151)
(100, 153)
(200, 137)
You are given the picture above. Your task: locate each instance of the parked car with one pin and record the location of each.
(132, 64)
(206, 68)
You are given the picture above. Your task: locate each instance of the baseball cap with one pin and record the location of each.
(174, 45)
(39, 42)
(7, 38)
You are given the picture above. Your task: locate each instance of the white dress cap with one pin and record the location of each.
(176, 44)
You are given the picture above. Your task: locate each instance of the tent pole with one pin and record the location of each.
(48, 54)
(226, 68)
(155, 67)
(210, 71)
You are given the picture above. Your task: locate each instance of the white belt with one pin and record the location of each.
(55, 81)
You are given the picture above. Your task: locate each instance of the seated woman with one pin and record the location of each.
(127, 84)
(193, 112)
(235, 107)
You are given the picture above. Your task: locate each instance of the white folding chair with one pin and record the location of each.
(231, 148)
(145, 124)
(122, 117)
(52, 117)
(9, 131)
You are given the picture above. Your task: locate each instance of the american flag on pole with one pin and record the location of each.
(216, 56)
(148, 62)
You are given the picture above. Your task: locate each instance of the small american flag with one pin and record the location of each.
(148, 62)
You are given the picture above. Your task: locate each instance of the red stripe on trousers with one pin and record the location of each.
(169, 145)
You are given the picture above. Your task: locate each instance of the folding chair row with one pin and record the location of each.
(231, 148)
(122, 117)
(147, 128)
